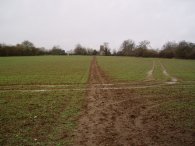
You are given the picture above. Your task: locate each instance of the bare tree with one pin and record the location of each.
(104, 49)
(127, 47)
(79, 50)
(27, 44)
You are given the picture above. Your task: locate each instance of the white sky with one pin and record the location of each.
(92, 22)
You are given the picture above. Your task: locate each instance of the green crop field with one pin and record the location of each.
(136, 69)
(41, 97)
(175, 100)
(181, 69)
(126, 68)
(38, 118)
(44, 70)
(30, 116)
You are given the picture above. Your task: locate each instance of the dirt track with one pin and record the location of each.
(115, 117)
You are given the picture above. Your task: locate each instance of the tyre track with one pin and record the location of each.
(95, 126)
(150, 73)
(173, 79)
(114, 117)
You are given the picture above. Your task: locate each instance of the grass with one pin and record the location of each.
(136, 69)
(40, 118)
(177, 104)
(180, 68)
(49, 117)
(126, 68)
(158, 72)
(176, 101)
(181, 109)
(44, 70)
(46, 118)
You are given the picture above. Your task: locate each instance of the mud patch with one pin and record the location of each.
(115, 115)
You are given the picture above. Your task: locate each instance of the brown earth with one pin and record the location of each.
(120, 118)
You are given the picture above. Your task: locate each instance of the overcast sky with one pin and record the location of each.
(92, 22)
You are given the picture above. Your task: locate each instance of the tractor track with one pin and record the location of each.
(114, 115)
(109, 116)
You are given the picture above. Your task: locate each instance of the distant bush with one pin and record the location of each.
(56, 50)
(27, 48)
(80, 50)
(183, 49)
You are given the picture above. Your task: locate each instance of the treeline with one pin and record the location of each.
(27, 48)
(182, 49)
(80, 50)
(143, 49)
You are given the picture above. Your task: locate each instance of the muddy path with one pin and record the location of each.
(109, 117)
(149, 76)
(173, 79)
(115, 117)
(94, 122)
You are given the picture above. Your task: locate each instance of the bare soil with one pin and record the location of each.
(173, 79)
(150, 73)
(121, 118)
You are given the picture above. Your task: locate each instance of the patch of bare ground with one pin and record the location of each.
(150, 73)
(122, 117)
(173, 79)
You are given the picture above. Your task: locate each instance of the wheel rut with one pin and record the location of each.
(173, 79)
(95, 126)
(149, 76)
(113, 117)
(108, 116)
